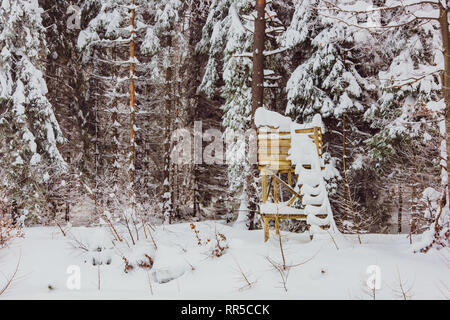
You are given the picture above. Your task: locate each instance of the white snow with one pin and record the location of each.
(265, 117)
(333, 273)
(170, 264)
(279, 208)
(268, 118)
(242, 220)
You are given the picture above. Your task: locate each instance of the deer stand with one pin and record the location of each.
(278, 174)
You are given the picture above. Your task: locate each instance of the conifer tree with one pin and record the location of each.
(29, 131)
(330, 80)
(228, 37)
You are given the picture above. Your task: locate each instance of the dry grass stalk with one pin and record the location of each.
(284, 273)
(282, 267)
(220, 241)
(245, 277)
(149, 281)
(102, 210)
(151, 236)
(10, 280)
(403, 289)
(219, 248)
(98, 276)
(332, 238)
(128, 266)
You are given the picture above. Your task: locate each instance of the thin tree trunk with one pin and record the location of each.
(443, 20)
(115, 133)
(258, 57)
(197, 161)
(167, 187)
(400, 208)
(67, 215)
(349, 205)
(132, 154)
(344, 163)
(257, 99)
(413, 204)
(413, 215)
(97, 151)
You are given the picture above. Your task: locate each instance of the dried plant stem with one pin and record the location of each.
(282, 252)
(129, 230)
(102, 210)
(149, 281)
(11, 278)
(60, 228)
(401, 288)
(249, 283)
(143, 227)
(98, 276)
(284, 273)
(151, 237)
(332, 238)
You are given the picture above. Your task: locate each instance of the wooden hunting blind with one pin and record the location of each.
(278, 162)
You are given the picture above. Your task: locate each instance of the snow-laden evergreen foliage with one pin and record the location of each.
(164, 42)
(104, 43)
(410, 99)
(227, 41)
(378, 90)
(328, 78)
(29, 131)
(327, 81)
(402, 102)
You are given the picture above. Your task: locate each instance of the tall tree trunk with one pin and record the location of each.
(197, 19)
(167, 185)
(67, 215)
(97, 151)
(414, 221)
(400, 208)
(443, 21)
(132, 153)
(349, 201)
(257, 99)
(258, 58)
(197, 160)
(115, 132)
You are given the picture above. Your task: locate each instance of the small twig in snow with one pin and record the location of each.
(245, 277)
(11, 278)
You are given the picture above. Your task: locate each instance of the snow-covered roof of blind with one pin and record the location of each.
(267, 118)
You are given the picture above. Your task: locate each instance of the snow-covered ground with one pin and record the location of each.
(326, 269)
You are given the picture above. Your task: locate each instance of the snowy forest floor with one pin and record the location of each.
(330, 273)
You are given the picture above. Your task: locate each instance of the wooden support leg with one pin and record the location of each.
(277, 225)
(308, 227)
(316, 140)
(275, 191)
(264, 187)
(266, 229)
(290, 178)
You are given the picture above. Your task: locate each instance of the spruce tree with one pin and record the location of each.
(29, 130)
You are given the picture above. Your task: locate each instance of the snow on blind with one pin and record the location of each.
(308, 164)
(264, 117)
(267, 118)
